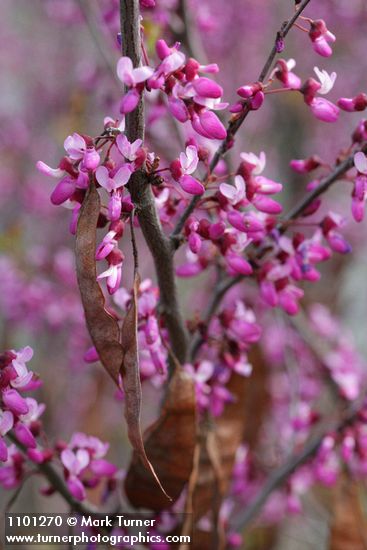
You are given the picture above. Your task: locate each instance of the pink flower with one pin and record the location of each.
(15, 402)
(113, 273)
(336, 241)
(91, 355)
(321, 108)
(247, 223)
(11, 473)
(130, 76)
(234, 193)
(35, 410)
(191, 185)
(189, 160)
(172, 59)
(75, 146)
(207, 88)
(91, 159)
(102, 468)
(183, 167)
(320, 37)
(324, 110)
(127, 149)
(75, 464)
(238, 264)
(256, 185)
(254, 163)
(109, 183)
(357, 103)
(283, 72)
(201, 375)
(147, 3)
(6, 422)
(63, 191)
(208, 125)
(106, 246)
(24, 435)
(178, 109)
(304, 166)
(19, 363)
(130, 101)
(95, 446)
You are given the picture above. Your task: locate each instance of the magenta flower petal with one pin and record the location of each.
(6, 422)
(178, 109)
(207, 88)
(189, 269)
(212, 125)
(48, 171)
(25, 436)
(101, 467)
(267, 205)
(15, 402)
(238, 264)
(3, 451)
(91, 355)
(324, 110)
(191, 185)
(129, 102)
(63, 191)
(76, 488)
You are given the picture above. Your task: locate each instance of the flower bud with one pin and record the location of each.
(63, 191)
(91, 159)
(191, 185)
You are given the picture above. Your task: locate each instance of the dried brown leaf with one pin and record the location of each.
(219, 443)
(170, 444)
(131, 383)
(117, 357)
(102, 327)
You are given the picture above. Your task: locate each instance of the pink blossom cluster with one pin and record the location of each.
(229, 338)
(151, 336)
(190, 97)
(18, 412)
(84, 465)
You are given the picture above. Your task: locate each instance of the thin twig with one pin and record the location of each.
(324, 185)
(236, 122)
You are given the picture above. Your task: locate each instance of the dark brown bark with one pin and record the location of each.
(142, 196)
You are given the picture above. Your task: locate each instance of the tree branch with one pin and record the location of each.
(324, 185)
(280, 476)
(142, 196)
(236, 122)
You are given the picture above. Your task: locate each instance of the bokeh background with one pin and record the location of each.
(57, 75)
